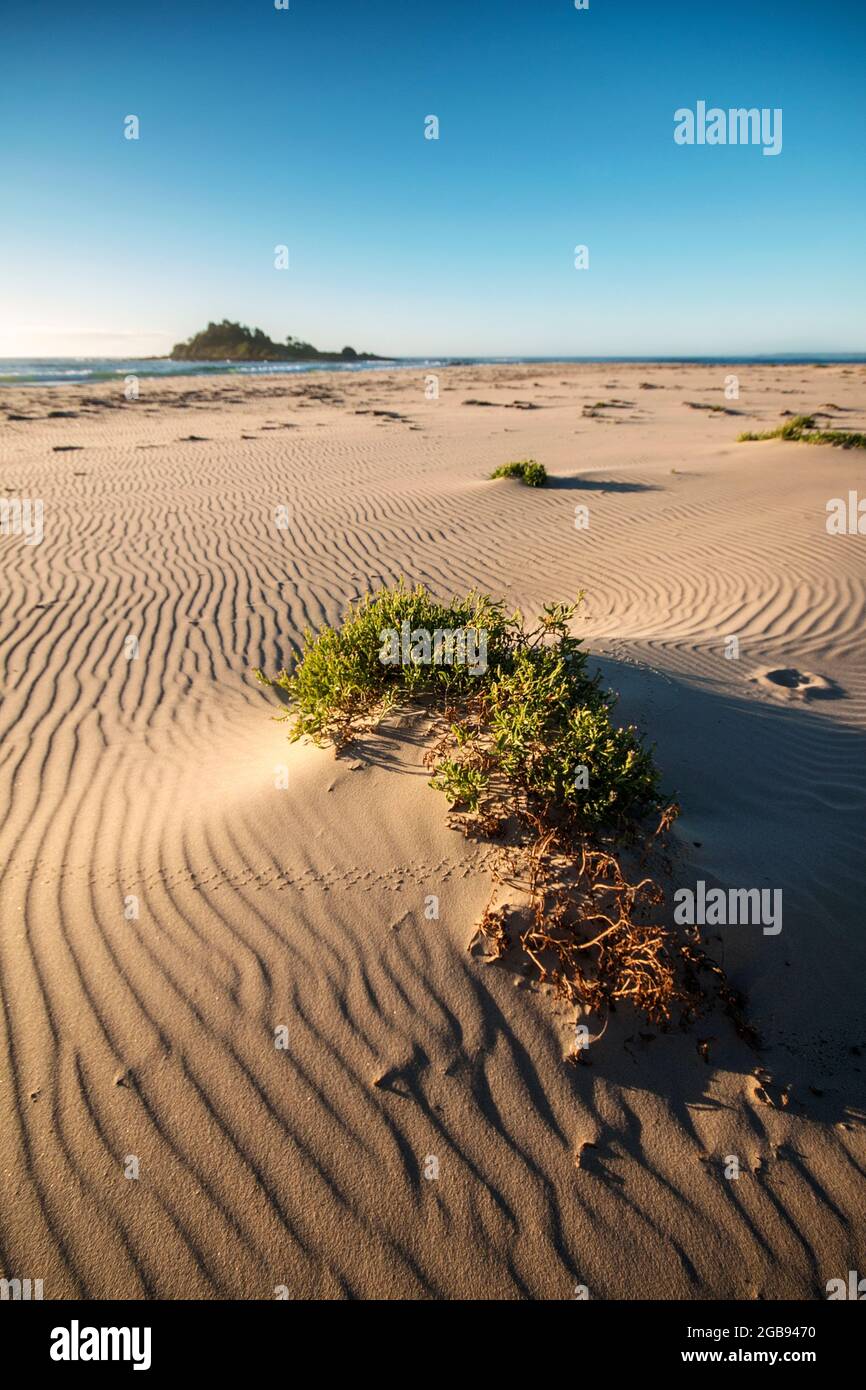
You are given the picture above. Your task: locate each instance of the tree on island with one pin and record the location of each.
(233, 342)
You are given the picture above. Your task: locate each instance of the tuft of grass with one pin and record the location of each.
(527, 470)
(804, 430)
(526, 751)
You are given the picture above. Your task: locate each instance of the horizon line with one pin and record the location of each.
(735, 356)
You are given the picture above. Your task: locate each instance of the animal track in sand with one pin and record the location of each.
(792, 684)
(352, 876)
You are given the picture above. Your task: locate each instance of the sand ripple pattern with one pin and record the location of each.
(165, 908)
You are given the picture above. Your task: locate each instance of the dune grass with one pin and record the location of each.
(528, 756)
(804, 430)
(530, 472)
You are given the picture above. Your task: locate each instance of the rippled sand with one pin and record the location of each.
(165, 905)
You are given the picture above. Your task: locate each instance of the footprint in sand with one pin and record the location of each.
(792, 684)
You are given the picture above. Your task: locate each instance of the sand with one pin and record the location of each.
(182, 888)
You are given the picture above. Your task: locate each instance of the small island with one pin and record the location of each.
(233, 342)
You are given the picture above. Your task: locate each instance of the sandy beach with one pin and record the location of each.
(180, 883)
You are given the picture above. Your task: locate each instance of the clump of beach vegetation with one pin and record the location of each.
(525, 748)
(804, 429)
(340, 684)
(530, 472)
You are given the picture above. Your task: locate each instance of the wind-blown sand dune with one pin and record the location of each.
(167, 904)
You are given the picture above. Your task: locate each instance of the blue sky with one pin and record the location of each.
(305, 127)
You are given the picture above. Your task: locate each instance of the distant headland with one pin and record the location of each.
(232, 342)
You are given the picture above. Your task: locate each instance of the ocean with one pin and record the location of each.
(33, 371)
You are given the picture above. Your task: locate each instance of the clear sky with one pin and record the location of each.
(305, 127)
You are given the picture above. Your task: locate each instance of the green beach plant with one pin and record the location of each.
(530, 472)
(525, 749)
(340, 682)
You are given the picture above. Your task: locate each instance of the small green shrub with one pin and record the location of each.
(525, 749)
(532, 721)
(530, 472)
(339, 678)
